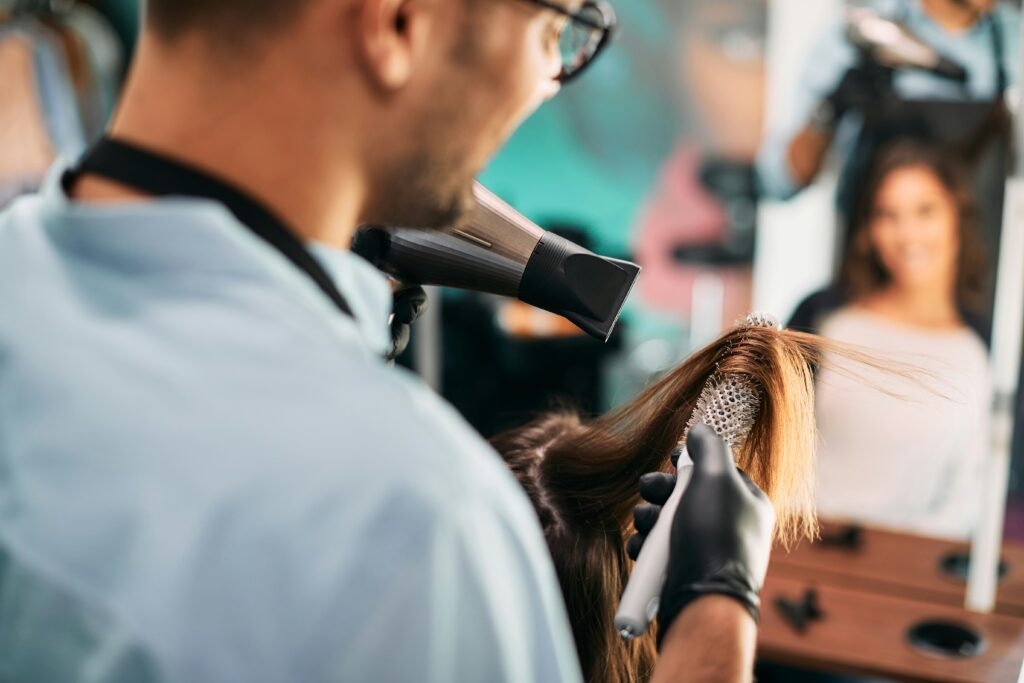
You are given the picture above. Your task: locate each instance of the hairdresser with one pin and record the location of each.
(837, 86)
(208, 472)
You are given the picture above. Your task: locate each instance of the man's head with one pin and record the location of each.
(417, 95)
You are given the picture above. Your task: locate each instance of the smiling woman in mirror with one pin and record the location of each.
(914, 276)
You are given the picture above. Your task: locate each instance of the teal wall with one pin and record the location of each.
(590, 155)
(124, 14)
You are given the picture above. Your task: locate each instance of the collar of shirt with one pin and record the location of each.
(209, 239)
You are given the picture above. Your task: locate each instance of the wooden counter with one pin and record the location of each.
(898, 564)
(865, 633)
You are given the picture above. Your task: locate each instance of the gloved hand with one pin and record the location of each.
(655, 488)
(410, 303)
(861, 87)
(722, 532)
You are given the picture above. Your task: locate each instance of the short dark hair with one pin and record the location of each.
(225, 18)
(863, 272)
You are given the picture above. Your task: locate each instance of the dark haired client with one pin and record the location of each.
(914, 276)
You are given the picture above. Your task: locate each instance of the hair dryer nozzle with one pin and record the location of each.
(499, 251)
(587, 289)
(890, 43)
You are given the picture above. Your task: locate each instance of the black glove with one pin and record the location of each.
(861, 87)
(410, 303)
(722, 533)
(655, 488)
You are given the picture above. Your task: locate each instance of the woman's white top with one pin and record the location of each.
(910, 459)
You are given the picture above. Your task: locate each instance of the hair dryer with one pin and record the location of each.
(499, 251)
(891, 44)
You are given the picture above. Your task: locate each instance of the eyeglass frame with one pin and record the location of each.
(607, 29)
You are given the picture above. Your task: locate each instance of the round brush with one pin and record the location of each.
(729, 405)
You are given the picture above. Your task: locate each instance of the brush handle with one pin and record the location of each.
(639, 603)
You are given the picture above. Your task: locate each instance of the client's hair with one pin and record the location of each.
(582, 476)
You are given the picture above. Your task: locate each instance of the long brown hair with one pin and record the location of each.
(582, 477)
(863, 272)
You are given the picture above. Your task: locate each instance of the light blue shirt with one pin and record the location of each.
(207, 473)
(833, 55)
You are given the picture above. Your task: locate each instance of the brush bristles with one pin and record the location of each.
(729, 405)
(759, 319)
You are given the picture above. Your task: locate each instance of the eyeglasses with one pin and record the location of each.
(587, 32)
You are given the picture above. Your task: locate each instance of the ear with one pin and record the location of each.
(391, 38)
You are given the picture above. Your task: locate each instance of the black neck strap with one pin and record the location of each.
(160, 176)
(998, 54)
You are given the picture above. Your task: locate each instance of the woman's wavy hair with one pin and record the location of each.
(582, 476)
(863, 272)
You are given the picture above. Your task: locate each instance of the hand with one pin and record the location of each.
(861, 87)
(655, 488)
(721, 536)
(410, 303)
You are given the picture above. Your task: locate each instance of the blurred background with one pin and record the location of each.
(718, 144)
